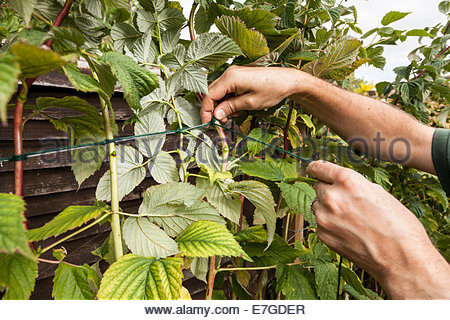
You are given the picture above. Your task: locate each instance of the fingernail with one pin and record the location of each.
(220, 114)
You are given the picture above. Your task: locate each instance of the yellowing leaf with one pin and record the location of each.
(34, 60)
(206, 239)
(12, 230)
(138, 278)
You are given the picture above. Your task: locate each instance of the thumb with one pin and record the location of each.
(230, 106)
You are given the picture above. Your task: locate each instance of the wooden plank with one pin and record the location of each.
(57, 202)
(44, 130)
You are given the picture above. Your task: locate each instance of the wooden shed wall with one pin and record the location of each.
(50, 186)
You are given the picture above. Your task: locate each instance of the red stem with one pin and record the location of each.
(211, 277)
(191, 21)
(437, 57)
(18, 112)
(18, 147)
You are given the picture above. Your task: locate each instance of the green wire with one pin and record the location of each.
(213, 122)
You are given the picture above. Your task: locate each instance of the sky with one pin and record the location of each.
(425, 13)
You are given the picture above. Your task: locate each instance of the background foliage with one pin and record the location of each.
(222, 208)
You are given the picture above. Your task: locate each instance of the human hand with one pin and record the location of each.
(367, 225)
(256, 88)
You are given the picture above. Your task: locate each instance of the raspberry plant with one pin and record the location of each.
(196, 217)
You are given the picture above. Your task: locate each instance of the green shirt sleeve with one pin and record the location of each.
(441, 157)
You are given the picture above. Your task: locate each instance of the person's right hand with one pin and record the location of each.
(256, 88)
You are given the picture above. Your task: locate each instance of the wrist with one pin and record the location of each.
(302, 84)
(417, 271)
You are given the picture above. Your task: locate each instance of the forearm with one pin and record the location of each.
(420, 273)
(369, 125)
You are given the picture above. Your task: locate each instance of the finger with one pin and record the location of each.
(232, 105)
(321, 188)
(325, 171)
(207, 109)
(221, 86)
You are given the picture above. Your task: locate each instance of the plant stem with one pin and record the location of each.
(225, 148)
(213, 263)
(57, 262)
(191, 21)
(18, 112)
(256, 268)
(115, 219)
(286, 231)
(211, 277)
(18, 143)
(180, 151)
(73, 234)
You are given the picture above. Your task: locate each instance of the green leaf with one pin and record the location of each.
(325, 273)
(168, 18)
(302, 55)
(287, 16)
(189, 113)
(208, 155)
(174, 193)
(157, 100)
(349, 276)
(279, 252)
(34, 60)
(260, 134)
(24, 8)
(326, 279)
(444, 7)
(199, 268)
(261, 20)
(70, 218)
(72, 282)
(296, 282)
(13, 236)
(208, 238)
(299, 197)
(375, 54)
(81, 81)
(136, 82)
(18, 274)
(66, 34)
(81, 130)
(123, 35)
(393, 16)
(211, 49)
(190, 78)
(354, 293)
(204, 18)
(145, 239)
(163, 168)
(138, 278)
(443, 91)
(9, 72)
(144, 49)
(150, 122)
(227, 204)
(252, 234)
(339, 55)
(419, 33)
(174, 219)
(261, 197)
(266, 169)
(251, 42)
(130, 171)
